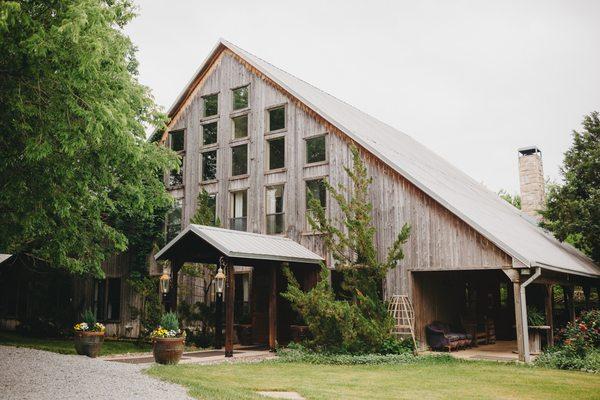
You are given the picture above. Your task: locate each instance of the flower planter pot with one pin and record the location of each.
(88, 343)
(168, 350)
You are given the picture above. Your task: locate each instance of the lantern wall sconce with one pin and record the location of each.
(164, 281)
(220, 276)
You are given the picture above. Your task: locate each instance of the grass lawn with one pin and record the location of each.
(425, 379)
(65, 346)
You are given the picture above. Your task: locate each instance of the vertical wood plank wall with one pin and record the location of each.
(439, 240)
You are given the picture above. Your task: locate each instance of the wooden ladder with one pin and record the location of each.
(401, 309)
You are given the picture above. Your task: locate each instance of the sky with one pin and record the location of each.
(472, 80)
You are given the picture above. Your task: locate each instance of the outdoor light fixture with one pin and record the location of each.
(219, 280)
(164, 283)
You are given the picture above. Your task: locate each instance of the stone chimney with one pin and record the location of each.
(531, 178)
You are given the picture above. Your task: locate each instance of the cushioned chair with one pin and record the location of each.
(441, 337)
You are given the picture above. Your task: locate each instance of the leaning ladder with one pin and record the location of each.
(401, 309)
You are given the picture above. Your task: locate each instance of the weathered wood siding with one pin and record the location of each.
(439, 240)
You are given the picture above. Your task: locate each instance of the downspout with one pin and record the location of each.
(536, 274)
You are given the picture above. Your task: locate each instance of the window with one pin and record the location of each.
(176, 176)
(317, 189)
(176, 140)
(276, 118)
(240, 98)
(274, 207)
(238, 211)
(212, 206)
(276, 153)
(209, 133)
(315, 149)
(209, 165)
(239, 160)
(211, 105)
(173, 220)
(107, 298)
(240, 126)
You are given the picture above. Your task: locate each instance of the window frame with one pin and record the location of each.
(268, 141)
(246, 173)
(209, 150)
(233, 116)
(247, 85)
(246, 207)
(204, 116)
(203, 124)
(309, 229)
(311, 137)
(170, 141)
(267, 214)
(180, 202)
(268, 110)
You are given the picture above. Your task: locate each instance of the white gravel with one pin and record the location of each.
(34, 374)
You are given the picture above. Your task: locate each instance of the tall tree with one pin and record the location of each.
(356, 318)
(75, 162)
(573, 208)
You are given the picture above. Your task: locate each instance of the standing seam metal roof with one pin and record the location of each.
(501, 223)
(238, 244)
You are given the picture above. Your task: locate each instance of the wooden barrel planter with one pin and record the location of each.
(168, 350)
(88, 343)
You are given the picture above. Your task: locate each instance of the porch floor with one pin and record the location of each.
(502, 350)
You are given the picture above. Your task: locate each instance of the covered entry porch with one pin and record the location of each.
(264, 256)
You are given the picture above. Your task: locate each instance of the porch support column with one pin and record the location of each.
(229, 299)
(549, 305)
(175, 267)
(273, 308)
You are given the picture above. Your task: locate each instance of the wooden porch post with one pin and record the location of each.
(549, 303)
(522, 342)
(273, 309)
(175, 267)
(229, 299)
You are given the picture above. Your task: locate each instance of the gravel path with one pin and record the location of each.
(34, 374)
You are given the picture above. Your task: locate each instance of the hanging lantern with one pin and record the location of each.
(219, 280)
(164, 283)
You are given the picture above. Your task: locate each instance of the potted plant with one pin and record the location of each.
(89, 335)
(168, 340)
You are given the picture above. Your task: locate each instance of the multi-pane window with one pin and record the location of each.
(212, 206)
(315, 189)
(176, 140)
(316, 149)
(239, 209)
(240, 98)
(209, 165)
(276, 118)
(107, 299)
(176, 175)
(173, 220)
(239, 160)
(240, 126)
(276, 153)
(211, 105)
(275, 212)
(209, 133)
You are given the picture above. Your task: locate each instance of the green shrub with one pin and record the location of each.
(169, 321)
(561, 358)
(583, 335)
(393, 345)
(298, 353)
(89, 317)
(199, 338)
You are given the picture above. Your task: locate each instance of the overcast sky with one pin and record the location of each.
(472, 80)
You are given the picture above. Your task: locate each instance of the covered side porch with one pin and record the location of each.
(495, 306)
(237, 252)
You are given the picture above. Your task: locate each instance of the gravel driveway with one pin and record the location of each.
(34, 374)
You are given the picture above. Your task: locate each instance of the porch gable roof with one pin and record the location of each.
(246, 245)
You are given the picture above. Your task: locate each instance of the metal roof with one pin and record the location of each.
(238, 244)
(4, 257)
(500, 222)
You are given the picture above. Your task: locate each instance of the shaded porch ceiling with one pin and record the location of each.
(205, 244)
